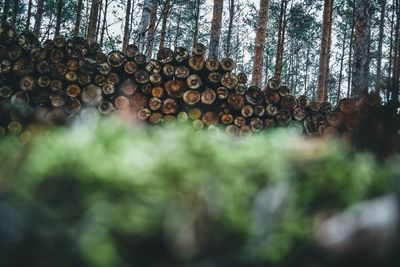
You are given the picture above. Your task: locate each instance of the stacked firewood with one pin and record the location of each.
(62, 79)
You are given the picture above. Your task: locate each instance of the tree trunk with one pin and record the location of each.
(281, 41)
(78, 18)
(152, 29)
(322, 90)
(6, 10)
(178, 24)
(104, 25)
(341, 64)
(28, 16)
(125, 41)
(392, 26)
(15, 13)
(216, 28)
(378, 83)
(196, 22)
(39, 17)
(99, 20)
(144, 24)
(165, 14)
(230, 26)
(260, 42)
(351, 49)
(94, 14)
(60, 4)
(396, 57)
(359, 84)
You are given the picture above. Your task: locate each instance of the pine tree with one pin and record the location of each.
(281, 40)
(94, 14)
(216, 28)
(378, 82)
(38, 17)
(152, 28)
(78, 18)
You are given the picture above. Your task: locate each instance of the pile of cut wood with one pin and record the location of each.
(60, 80)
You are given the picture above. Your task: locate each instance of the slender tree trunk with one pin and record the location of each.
(165, 14)
(60, 4)
(258, 57)
(78, 18)
(177, 30)
(98, 29)
(39, 17)
(341, 63)
(378, 83)
(15, 13)
(390, 52)
(6, 10)
(152, 29)
(132, 19)
(307, 66)
(28, 16)
(396, 57)
(216, 28)
(322, 90)
(359, 85)
(196, 22)
(104, 26)
(94, 15)
(351, 44)
(144, 24)
(230, 26)
(125, 41)
(281, 41)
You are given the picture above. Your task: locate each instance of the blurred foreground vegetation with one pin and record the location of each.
(109, 195)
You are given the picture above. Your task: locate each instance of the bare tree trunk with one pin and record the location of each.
(341, 64)
(144, 24)
(15, 13)
(152, 29)
(6, 10)
(359, 85)
(98, 30)
(78, 18)
(178, 24)
(165, 14)
(28, 16)
(396, 57)
(322, 89)
(281, 41)
(196, 22)
(125, 41)
(60, 4)
(216, 28)
(307, 66)
(39, 17)
(351, 44)
(390, 52)
(378, 83)
(230, 26)
(258, 57)
(94, 14)
(104, 26)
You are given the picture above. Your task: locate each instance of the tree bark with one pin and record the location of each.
(359, 84)
(258, 57)
(230, 27)
(125, 41)
(281, 41)
(60, 4)
(152, 29)
(196, 22)
(144, 24)
(15, 13)
(104, 25)
(165, 14)
(378, 83)
(78, 18)
(178, 23)
(341, 63)
(351, 49)
(396, 57)
(94, 14)
(99, 20)
(322, 90)
(392, 26)
(39, 17)
(28, 16)
(6, 10)
(216, 28)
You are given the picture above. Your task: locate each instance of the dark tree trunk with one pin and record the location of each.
(15, 13)
(230, 28)
(396, 57)
(78, 18)
(216, 28)
(281, 41)
(104, 25)
(165, 14)
(144, 24)
(60, 4)
(378, 83)
(392, 26)
(28, 16)
(177, 31)
(341, 63)
(98, 29)
(359, 85)
(351, 44)
(125, 41)
(322, 90)
(94, 15)
(39, 17)
(196, 22)
(6, 10)
(258, 57)
(152, 29)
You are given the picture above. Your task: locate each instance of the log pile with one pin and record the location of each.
(62, 79)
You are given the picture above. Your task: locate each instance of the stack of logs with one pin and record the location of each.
(61, 79)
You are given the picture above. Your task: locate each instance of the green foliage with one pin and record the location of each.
(109, 195)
